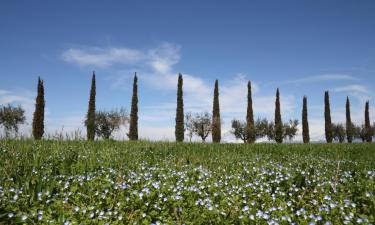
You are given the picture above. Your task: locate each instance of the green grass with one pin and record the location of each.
(127, 182)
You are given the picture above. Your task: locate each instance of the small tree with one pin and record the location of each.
(338, 132)
(179, 128)
(10, 118)
(368, 129)
(133, 127)
(240, 130)
(90, 118)
(349, 127)
(249, 116)
(278, 121)
(288, 131)
(305, 122)
(327, 117)
(38, 118)
(106, 122)
(189, 125)
(261, 126)
(359, 132)
(202, 125)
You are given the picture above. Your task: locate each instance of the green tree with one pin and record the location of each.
(179, 128)
(240, 130)
(106, 122)
(90, 117)
(202, 125)
(216, 122)
(327, 117)
(249, 116)
(359, 131)
(288, 130)
(305, 122)
(10, 118)
(349, 125)
(338, 132)
(278, 121)
(38, 117)
(133, 127)
(367, 123)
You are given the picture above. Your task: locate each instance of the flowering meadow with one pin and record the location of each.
(77, 182)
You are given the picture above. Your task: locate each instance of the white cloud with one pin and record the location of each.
(320, 78)
(361, 92)
(102, 57)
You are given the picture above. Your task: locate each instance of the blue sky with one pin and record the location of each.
(302, 47)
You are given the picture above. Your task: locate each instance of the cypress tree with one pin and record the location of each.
(327, 117)
(38, 117)
(250, 116)
(216, 123)
(278, 121)
(305, 122)
(349, 125)
(367, 123)
(179, 129)
(90, 124)
(133, 126)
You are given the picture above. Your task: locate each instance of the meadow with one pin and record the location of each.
(112, 182)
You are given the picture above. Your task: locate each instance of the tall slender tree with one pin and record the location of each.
(216, 123)
(349, 125)
(38, 117)
(278, 121)
(90, 118)
(305, 122)
(327, 117)
(250, 116)
(133, 126)
(179, 129)
(367, 123)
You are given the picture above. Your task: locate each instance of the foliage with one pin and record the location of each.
(109, 182)
(106, 122)
(349, 124)
(288, 130)
(90, 117)
(327, 118)
(305, 122)
(250, 128)
(11, 117)
(133, 126)
(278, 129)
(216, 121)
(240, 130)
(368, 129)
(338, 131)
(202, 125)
(179, 128)
(38, 117)
(360, 132)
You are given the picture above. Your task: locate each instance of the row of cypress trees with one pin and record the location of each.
(38, 116)
(216, 125)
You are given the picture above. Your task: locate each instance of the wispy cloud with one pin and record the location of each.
(361, 92)
(102, 57)
(320, 78)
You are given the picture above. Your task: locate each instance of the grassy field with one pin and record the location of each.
(180, 183)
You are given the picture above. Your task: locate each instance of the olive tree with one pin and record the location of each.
(10, 118)
(106, 122)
